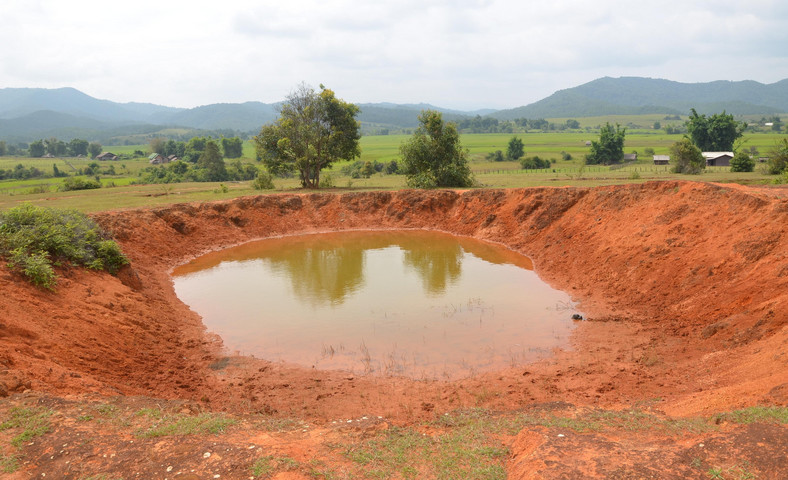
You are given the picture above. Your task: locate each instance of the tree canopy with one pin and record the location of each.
(433, 156)
(686, 157)
(610, 146)
(515, 149)
(313, 131)
(716, 133)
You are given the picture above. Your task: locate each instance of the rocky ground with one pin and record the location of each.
(679, 370)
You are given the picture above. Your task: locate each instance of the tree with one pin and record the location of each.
(515, 149)
(610, 147)
(717, 133)
(3, 148)
(433, 157)
(211, 160)
(194, 149)
(232, 147)
(37, 148)
(742, 162)
(686, 157)
(157, 145)
(94, 149)
(572, 123)
(778, 158)
(77, 147)
(55, 147)
(313, 131)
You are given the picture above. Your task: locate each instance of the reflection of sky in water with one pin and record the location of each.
(420, 303)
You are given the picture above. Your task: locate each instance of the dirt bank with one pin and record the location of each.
(685, 286)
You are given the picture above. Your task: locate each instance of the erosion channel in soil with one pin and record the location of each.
(422, 304)
(684, 285)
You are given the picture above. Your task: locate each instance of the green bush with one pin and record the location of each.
(742, 162)
(532, 163)
(263, 181)
(75, 183)
(33, 239)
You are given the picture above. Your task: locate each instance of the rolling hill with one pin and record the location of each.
(635, 95)
(28, 114)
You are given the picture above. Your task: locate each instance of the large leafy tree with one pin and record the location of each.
(37, 148)
(515, 149)
(313, 131)
(686, 157)
(716, 133)
(94, 148)
(77, 147)
(232, 147)
(610, 146)
(213, 163)
(433, 157)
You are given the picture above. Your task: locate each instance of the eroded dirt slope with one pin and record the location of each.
(685, 286)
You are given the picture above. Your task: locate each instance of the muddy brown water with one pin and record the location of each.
(414, 303)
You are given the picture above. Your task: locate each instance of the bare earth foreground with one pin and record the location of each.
(685, 286)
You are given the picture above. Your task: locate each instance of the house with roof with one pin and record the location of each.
(157, 159)
(106, 156)
(630, 157)
(661, 159)
(718, 159)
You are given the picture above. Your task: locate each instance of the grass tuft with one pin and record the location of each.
(206, 423)
(33, 421)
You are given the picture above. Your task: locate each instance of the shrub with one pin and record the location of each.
(742, 162)
(75, 183)
(530, 163)
(34, 238)
(263, 181)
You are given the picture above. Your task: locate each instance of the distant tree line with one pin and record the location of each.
(191, 150)
(479, 124)
(200, 160)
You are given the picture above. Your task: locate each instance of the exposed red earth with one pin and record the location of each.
(685, 288)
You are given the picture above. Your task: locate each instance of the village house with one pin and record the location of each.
(661, 159)
(630, 157)
(718, 159)
(106, 156)
(157, 159)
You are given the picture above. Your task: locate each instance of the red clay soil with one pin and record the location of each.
(685, 287)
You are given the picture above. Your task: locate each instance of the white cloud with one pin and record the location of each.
(462, 54)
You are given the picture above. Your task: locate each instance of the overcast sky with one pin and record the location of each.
(463, 54)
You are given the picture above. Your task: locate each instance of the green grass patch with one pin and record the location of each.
(468, 448)
(269, 464)
(203, 424)
(33, 422)
(756, 415)
(9, 463)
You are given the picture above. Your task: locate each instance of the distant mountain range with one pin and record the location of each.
(27, 114)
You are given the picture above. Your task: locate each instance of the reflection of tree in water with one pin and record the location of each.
(437, 264)
(321, 275)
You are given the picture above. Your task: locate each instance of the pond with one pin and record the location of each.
(415, 303)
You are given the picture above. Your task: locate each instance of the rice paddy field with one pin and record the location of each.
(566, 149)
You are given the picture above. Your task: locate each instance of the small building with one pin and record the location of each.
(718, 159)
(157, 159)
(588, 143)
(763, 159)
(106, 156)
(173, 158)
(630, 157)
(661, 159)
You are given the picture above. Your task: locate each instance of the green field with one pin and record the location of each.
(121, 193)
